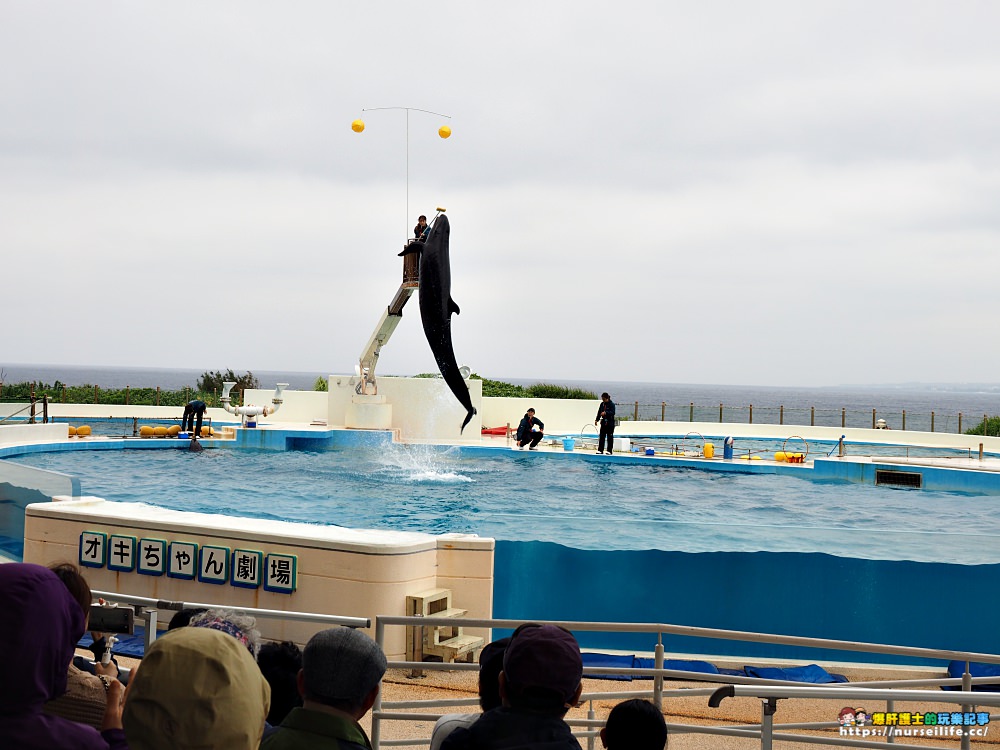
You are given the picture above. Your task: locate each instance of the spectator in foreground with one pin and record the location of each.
(339, 681)
(240, 626)
(86, 697)
(635, 725)
(280, 664)
(490, 666)
(40, 622)
(196, 688)
(541, 680)
(182, 617)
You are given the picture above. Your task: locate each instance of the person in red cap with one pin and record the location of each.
(542, 679)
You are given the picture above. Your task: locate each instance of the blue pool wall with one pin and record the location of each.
(939, 478)
(931, 605)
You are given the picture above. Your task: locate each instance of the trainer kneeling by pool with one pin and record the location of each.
(530, 431)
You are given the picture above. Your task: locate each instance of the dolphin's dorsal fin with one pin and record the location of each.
(453, 306)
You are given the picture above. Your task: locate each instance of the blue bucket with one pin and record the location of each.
(568, 444)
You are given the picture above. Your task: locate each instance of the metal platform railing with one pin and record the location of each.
(889, 691)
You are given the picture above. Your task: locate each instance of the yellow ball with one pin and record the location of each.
(146, 430)
(83, 430)
(358, 125)
(779, 456)
(444, 131)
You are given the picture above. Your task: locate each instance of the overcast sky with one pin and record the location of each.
(776, 193)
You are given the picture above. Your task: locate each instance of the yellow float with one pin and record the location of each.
(709, 450)
(83, 430)
(779, 456)
(146, 431)
(160, 431)
(207, 431)
(174, 430)
(72, 430)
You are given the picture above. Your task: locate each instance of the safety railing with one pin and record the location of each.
(416, 710)
(896, 419)
(32, 412)
(972, 723)
(147, 610)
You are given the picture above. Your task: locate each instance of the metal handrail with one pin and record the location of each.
(389, 710)
(273, 614)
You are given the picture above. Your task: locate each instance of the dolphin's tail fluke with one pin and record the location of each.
(468, 418)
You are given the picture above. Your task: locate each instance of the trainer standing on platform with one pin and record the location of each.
(191, 410)
(606, 418)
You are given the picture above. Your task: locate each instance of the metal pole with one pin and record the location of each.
(960, 423)
(95, 394)
(966, 676)
(377, 708)
(658, 680)
(751, 413)
(873, 419)
(157, 395)
(663, 411)
(691, 417)
(890, 708)
(904, 419)
(126, 395)
(843, 417)
(768, 707)
(636, 415)
(812, 416)
(932, 421)
(720, 414)
(591, 715)
(781, 414)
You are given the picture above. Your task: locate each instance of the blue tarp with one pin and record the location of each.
(811, 673)
(976, 669)
(133, 646)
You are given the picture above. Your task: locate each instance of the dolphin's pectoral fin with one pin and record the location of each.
(453, 306)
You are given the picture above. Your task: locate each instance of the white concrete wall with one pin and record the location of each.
(422, 408)
(560, 415)
(297, 406)
(28, 434)
(346, 572)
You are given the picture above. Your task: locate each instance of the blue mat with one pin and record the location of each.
(976, 669)
(629, 661)
(133, 646)
(811, 673)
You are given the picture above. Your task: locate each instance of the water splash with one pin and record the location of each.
(421, 463)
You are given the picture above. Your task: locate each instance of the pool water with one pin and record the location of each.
(527, 497)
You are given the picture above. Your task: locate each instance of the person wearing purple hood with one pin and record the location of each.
(41, 622)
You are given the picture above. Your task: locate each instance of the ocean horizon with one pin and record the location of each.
(971, 399)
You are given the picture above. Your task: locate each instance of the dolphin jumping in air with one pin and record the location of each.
(436, 307)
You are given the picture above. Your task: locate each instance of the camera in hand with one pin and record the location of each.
(110, 618)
